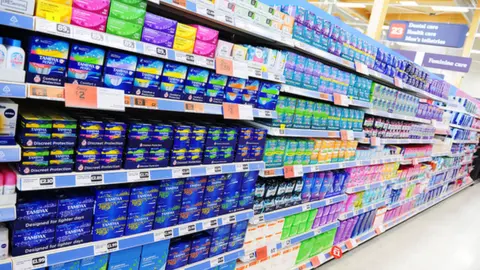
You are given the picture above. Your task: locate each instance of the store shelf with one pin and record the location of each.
(313, 51)
(445, 170)
(421, 93)
(360, 211)
(466, 141)
(163, 104)
(441, 154)
(281, 213)
(95, 178)
(406, 141)
(277, 246)
(465, 128)
(12, 89)
(215, 261)
(304, 133)
(416, 160)
(402, 202)
(356, 189)
(397, 116)
(16, 20)
(61, 255)
(272, 172)
(407, 183)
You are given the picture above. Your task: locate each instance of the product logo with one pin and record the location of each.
(34, 237)
(74, 231)
(37, 211)
(77, 206)
(111, 224)
(113, 199)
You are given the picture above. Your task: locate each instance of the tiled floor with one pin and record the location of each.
(445, 237)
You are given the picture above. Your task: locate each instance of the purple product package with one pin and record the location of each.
(159, 23)
(340, 231)
(158, 38)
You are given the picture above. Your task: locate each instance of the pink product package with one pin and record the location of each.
(100, 7)
(206, 34)
(204, 49)
(89, 20)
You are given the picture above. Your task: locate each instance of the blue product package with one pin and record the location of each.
(169, 203)
(173, 81)
(178, 253)
(220, 237)
(249, 93)
(138, 223)
(110, 158)
(85, 65)
(111, 202)
(47, 61)
(37, 212)
(231, 193)
(126, 259)
(154, 255)
(75, 208)
(147, 77)
(98, 262)
(192, 199)
(267, 96)
(237, 235)
(161, 135)
(138, 133)
(200, 247)
(213, 196)
(73, 233)
(198, 136)
(143, 199)
(228, 266)
(119, 71)
(75, 265)
(234, 89)
(31, 240)
(90, 132)
(215, 88)
(106, 227)
(247, 191)
(308, 180)
(195, 84)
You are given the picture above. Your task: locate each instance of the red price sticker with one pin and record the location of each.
(237, 111)
(80, 96)
(398, 82)
(361, 68)
(293, 171)
(351, 243)
(346, 135)
(375, 141)
(269, 172)
(224, 66)
(324, 96)
(315, 261)
(46, 92)
(415, 161)
(194, 107)
(380, 229)
(336, 252)
(341, 100)
(145, 102)
(128, 101)
(262, 253)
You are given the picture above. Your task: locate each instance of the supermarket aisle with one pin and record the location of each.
(444, 237)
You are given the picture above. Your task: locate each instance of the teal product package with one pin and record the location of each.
(173, 81)
(119, 71)
(85, 65)
(147, 77)
(195, 84)
(215, 89)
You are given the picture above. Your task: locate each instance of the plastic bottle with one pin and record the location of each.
(10, 179)
(3, 54)
(15, 54)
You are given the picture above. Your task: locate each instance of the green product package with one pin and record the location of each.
(125, 29)
(287, 225)
(304, 251)
(301, 147)
(136, 3)
(300, 221)
(291, 149)
(127, 13)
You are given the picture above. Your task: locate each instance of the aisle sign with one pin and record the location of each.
(336, 252)
(428, 33)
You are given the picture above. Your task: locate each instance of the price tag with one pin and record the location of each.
(375, 141)
(237, 111)
(281, 130)
(31, 262)
(210, 224)
(188, 229)
(286, 243)
(229, 219)
(315, 261)
(398, 82)
(217, 261)
(346, 135)
(205, 62)
(264, 113)
(121, 43)
(380, 229)
(341, 100)
(324, 96)
(181, 172)
(226, 17)
(215, 169)
(415, 161)
(38, 183)
(361, 68)
(316, 168)
(46, 92)
(269, 172)
(351, 243)
(194, 107)
(89, 179)
(105, 247)
(242, 167)
(141, 102)
(184, 57)
(293, 171)
(306, 207)
(87, 35)
(58, 29)
(89, 97)
(255, 72)
(156, 51)
(206, 10)
(138, 176)
(224, 66)
(258, 219)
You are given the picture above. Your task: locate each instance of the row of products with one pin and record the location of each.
(469, 106)
(375, 126)
(310, 74)
(440, 163)
(367, 197)
(285, 152)
(55, 142)
(462, 134)
(56, 62)
(364, 175)
(278, 193)
(305, 114)
(367, 152)
(112, 212)
(12, 56)
(398, 194)
(463, 119)
(408, 173)
(416, 151)
(354, 226)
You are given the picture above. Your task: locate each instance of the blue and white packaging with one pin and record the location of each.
(154, 255)
(247, 191)
(73, 233)
(94, 263)
(213, 196)
(126, 259)
(111, 202)
(237, 235)
(75, 265)
(147, 77)
(169, 203)
(220, 237)
(75, 208)
(119, 71)
(200, 247)
(192, 199)
(85, 65)
(231, 193)
(107, 227)
(173, 81)
(178, 253)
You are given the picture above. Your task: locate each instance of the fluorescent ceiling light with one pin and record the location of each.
(450, 8)
(350, 5)
(477, 35)
(409, 3)
(385, 27)
(475, 51)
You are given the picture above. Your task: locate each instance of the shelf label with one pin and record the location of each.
(229, 219)
(217, 261)
(181, 172)
(415, 161)
(336, 252)
(224, 66)
(188, 229)
(374, 141)
(87, 35)
(32, 262)
(258, 219)
(215, 169)
(346, 135)
(269, 172)
(185, 57)
(206, 10)
(155, 51)
(194, 107)
(89, 97)
(105, 247)
(54, 28)
(208, 224)
(306, 207)
(89, 179)
(237, 111)
(242, 167)
(293, 171)
(271, 249)
(37, 183)
(134, 176)
(265, 114)
(142, 102)
(316, 261)
(341, 100)
(162, 235)
(324, 96)
(46, 92)
(398, 82)
(361, 68)
(121, 43)
(380, 229)
(351, 243)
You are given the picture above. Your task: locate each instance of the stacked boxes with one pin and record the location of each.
(60, 11)
(185, 37)
(159, 30)
(111, 205)
(126, 18)
(85, 65)
(91, 14)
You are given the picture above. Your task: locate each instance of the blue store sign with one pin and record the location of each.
(435, 34)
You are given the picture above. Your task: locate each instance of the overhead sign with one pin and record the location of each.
(440, 61)
(428, 33)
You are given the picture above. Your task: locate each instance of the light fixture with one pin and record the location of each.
(385, 27)
(477, 35)
(409, 3)
(450, 8)
(350, 5)
(475, 51)
(356, 19)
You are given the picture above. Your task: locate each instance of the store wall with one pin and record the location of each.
(471, 81)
